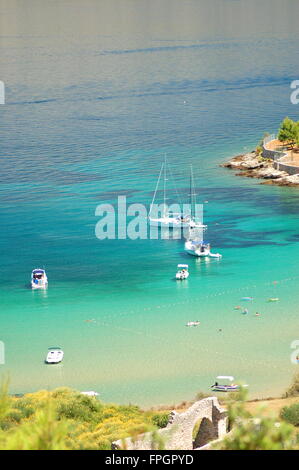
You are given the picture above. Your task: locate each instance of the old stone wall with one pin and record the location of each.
(278, 158)
(178, 433)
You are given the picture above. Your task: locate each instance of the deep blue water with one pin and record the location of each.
(96, 93)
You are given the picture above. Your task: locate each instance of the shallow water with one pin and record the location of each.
(95, 95)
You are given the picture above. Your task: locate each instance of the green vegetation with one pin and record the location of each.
(291, 414)
(66, 419)
(289, 132)
(293, 390)
(251, 433)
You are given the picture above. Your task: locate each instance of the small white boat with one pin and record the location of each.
(200, 249)
(39, 279)
(54, 356)
(227, 384)
(193, 323)
(182, 272)
(90, 393)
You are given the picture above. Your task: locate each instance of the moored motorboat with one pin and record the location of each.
(200, 249)
(182, 272)
(54, 356)
(227, 384)
(39, 279)
(193, 323)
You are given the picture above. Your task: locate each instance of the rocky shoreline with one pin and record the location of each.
(253, 165)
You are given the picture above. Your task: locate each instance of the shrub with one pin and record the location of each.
(160, 419)
(291, 414)
(250, 433)
(293, 390)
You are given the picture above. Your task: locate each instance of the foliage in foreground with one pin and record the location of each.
(66, 419)
(291, 414)
(251, 433)
(293, 390)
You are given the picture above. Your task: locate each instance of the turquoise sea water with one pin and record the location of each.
(96, 93)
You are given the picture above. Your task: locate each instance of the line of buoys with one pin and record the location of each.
(206, 297)
(186, 345)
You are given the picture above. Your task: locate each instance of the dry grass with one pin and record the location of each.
(270, 407)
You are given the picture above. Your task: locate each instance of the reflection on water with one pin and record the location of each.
(183, 284)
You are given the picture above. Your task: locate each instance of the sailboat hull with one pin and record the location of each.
(175, 223)
(200, 251)
(168, 222)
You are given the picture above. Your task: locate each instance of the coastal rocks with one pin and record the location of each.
(247, 161)
(255, 166)
(271, 173)
(289, 180)
(292, 179)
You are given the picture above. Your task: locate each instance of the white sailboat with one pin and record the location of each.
(169, 219)
(195, 244)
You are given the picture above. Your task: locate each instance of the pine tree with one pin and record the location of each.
(288, 131)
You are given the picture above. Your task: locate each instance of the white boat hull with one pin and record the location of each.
(39, 279)
(181, 276)
(171, 223)
(40, 285)
(194, 250)
(54, 357)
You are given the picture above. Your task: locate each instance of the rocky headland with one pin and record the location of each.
(254, 165)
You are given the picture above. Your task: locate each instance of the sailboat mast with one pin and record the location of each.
(164, 206)
(191, 191)
(157, 185)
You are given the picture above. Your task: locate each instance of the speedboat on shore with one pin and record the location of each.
(200, 249)
(90, 393)
(54, 356)
(227, 384)
(39, 279)
(182, 272)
